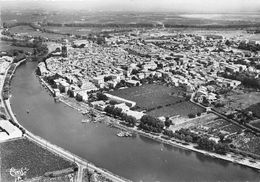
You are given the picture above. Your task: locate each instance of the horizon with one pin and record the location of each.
(171, 6)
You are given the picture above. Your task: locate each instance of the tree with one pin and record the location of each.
(191, 115)
(168, 123)
(221, 148)
(113, 102)
(188, 138)
(109, 109)
(152, 123)
(130, 120)
(101, 96)
(117, 111)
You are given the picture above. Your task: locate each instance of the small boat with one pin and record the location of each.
(124, 134)
(85, 121)
(28, 111)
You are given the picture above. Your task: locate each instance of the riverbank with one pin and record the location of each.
(81, 163)
(13, 131)
(173, 142)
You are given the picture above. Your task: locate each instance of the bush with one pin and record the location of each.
(191, 115)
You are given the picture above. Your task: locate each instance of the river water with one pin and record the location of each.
(138, 159)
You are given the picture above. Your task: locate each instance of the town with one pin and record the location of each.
(164, 82)
(128, 96)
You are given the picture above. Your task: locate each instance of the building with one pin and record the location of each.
(99, 80)
(82, 96)
(133, 83)
(100, 105)
(41, 70)
(64, 52)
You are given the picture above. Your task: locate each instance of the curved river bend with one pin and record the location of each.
(138, 159)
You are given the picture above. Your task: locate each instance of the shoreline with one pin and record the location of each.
(81, 163)
(173, 142)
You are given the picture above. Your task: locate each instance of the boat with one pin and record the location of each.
(85, 121)
(124, 134)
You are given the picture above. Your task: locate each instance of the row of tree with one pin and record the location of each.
(203, 142)
(117, 112)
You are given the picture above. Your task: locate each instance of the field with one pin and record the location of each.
(150, 96)
(159, 100)
(24, 153)
(182, 109)
(6, 46)
(26, 30)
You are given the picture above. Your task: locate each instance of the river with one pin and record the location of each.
(138, 159)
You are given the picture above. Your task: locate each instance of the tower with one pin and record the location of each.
(64, 50)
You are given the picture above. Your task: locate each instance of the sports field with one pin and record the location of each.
(182, 109)
(150, 96)
(159, 100)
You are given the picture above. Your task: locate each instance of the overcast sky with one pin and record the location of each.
(141, 5)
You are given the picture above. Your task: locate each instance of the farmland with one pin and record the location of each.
(22, 153)
(240, 138)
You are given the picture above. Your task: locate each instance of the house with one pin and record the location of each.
(140, 75)
(82, 96)
(123, 106)
(42, 71)
(100, 105)
(190, 88)
(111, 83)
(56, 92)
(63, 86)
(234, 83)
(136, 114)
(232, 68)
(211, 97)
(150, 65)
(88, 86)
(98, 80)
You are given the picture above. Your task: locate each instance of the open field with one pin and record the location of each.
(159, 100)
(183, 109)
(23, 153)
(27, 30)
(6, 46)
(150, 96)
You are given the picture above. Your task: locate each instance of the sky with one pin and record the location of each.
(199, 6)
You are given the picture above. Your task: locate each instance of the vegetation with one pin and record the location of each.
(117, 112)
(246, 79)
(24, 153)
(151, 123)
(101, 96)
